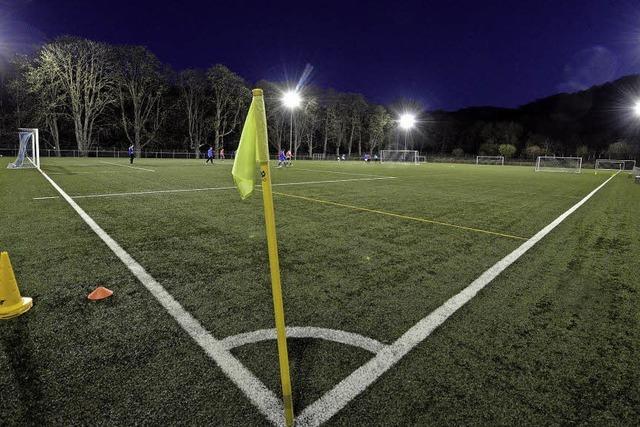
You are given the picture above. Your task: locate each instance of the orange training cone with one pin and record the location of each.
(11, 303)
(100, 293)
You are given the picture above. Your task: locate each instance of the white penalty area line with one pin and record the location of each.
(263, 398)
(127, 166)
(340, 172)
(357, 382)
(188, 190)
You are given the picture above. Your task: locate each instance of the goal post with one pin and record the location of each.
(28, 150)
(400, 156)
(615, 165)
(559, 164)
(490, 160)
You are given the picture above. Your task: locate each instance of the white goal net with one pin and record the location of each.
(615, 165)
(559, 164)
(490, 160)
(28, 150)
(401, 156)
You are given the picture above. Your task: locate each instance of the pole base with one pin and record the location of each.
(17, 309)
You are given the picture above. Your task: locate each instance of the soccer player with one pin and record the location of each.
(131, 154)
(221, 154)
(281, 158)
(209, 155)
(288, 156)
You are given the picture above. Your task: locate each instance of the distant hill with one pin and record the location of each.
(595, 117)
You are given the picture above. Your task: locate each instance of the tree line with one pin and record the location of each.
(85, 94)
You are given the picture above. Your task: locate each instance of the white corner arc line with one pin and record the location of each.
(127, 166)
(189, 190)
(263, 398)
(350, 387)
(342, 337)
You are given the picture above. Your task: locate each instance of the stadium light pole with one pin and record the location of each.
(291, 100)
(407, 122)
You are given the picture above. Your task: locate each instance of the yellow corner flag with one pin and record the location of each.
(253, 150)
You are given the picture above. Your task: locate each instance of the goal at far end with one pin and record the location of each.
(400, 156)
(615, 165)
(28, 150)
(490, 160)
(559, 164)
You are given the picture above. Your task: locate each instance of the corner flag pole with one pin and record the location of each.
(276, 289)
(253, 150)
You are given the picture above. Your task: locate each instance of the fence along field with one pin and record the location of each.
(396, 269)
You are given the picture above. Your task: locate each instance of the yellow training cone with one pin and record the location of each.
(11, 303)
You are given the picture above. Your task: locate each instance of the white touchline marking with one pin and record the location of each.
(188, 190)
(80, 173)
(338, 172)
(127, 166)
(263, 398)
(343, 337)
(350, 387)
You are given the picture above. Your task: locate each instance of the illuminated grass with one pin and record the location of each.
(554, 339)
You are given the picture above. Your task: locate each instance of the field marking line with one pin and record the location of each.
(188, 190)
(79, 173)
(127, 166)
(395, 215)
(261, 397)
(338, 172)
(350, 387)
(342, 337)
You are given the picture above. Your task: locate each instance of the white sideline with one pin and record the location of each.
(342, 337)
(187, 190)
(350, 387)
(263, 398)
(127, 166)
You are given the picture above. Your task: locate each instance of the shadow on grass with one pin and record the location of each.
(18, 347)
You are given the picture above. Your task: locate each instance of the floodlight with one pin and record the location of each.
(636, 108)
(291, 99)
(407, 121)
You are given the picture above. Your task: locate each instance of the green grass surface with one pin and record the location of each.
(555, 339)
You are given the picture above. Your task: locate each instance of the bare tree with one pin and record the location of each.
(193, 89)
(355, 106)
(84, 70)
(230, 98)
(141, 84)
(378, 122)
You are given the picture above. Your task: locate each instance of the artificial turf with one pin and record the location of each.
(555, 339)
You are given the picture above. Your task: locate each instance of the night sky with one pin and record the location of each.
(445, 54)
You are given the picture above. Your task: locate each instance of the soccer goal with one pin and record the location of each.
(317, 156)
(401, 156)
(615, 165)
(28, 151)
(490, 160)
(559, 164)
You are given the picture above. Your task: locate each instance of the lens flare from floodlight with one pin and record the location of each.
(291, 99)
(407, 121)
(636, 109)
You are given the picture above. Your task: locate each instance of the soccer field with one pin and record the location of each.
(367, 253)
